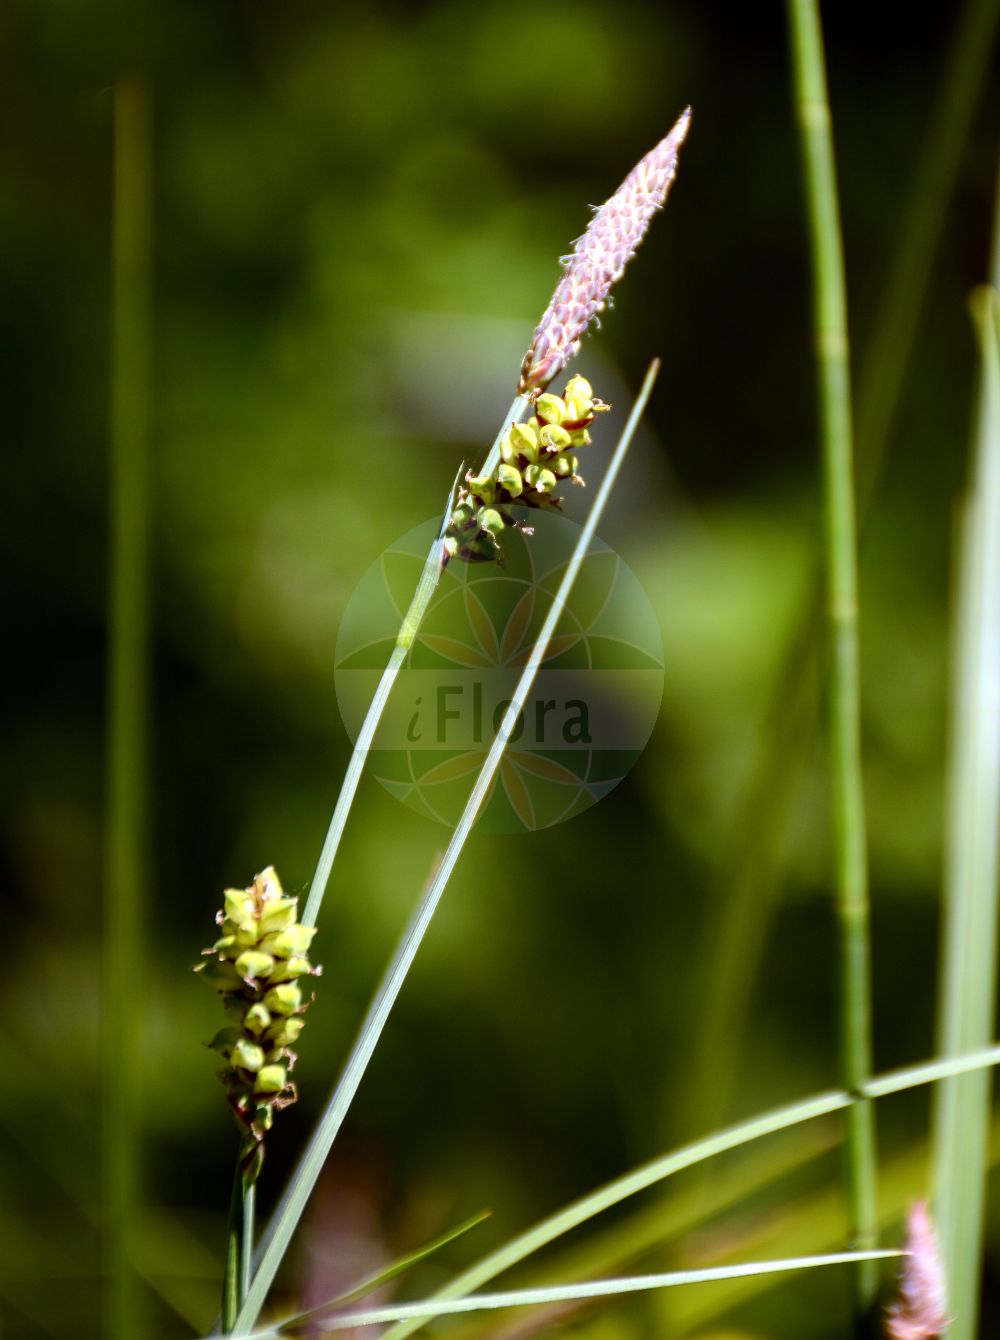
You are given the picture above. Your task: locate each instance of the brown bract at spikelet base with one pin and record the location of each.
(599, 259)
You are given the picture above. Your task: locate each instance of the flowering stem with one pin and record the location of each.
(830, 316)
(407, 633)
(246, 1242)
(301, 1184)
(237, 1237)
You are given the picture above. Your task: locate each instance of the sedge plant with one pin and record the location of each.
(525, 465)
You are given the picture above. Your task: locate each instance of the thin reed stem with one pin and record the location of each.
(830, 318)
(301, 1184)
(246, 1244)
(407, 633)
(128, 616)
(748, 880)
(239, 1242)
(236, 1238)
(969, 946)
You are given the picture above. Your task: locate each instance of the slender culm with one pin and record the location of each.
(843, 668)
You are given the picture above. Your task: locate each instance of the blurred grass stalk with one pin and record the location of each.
(830, 316)
(910, 259)
(128, 679)
(407, 633)
(746, 884)
(969, 951)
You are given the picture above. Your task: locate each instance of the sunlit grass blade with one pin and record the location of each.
(687, 1156)
(843, 664)
(810, 1223)
(128, 693)
(303, 1180)
(684, 1212)
(748, 880)
(556, 1293)
(303, 1320)
(408, 631)
(969, 952)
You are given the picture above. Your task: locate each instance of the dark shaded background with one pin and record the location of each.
(358, 211)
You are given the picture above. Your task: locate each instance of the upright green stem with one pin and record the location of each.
(239, 1243)
(232, 1284)
(127, 697)
(748, 878)
(830, 317)
(246, 1244)
(407, 633)
(969, 943)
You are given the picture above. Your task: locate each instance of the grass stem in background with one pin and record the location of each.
(125, 875)
(969, 951)
(408, 631)
(302, 1181)
(910, 259)
(748, 880)
(843, 684)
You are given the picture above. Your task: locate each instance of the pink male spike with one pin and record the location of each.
(599, 259)
(920, 1312)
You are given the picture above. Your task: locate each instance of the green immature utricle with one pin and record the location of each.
(534, 458)
(258, 965)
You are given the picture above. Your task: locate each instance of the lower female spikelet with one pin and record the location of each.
(257, 965)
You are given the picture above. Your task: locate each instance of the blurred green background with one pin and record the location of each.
(357, 215)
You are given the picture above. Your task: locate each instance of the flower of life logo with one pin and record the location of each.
(591, 710)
